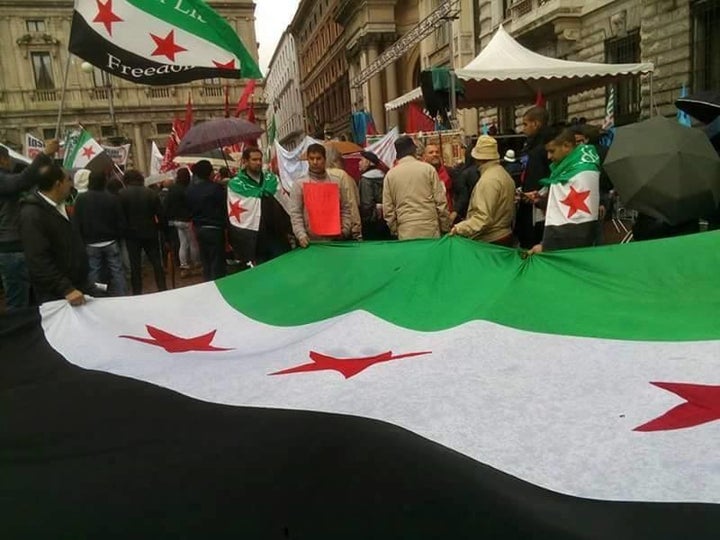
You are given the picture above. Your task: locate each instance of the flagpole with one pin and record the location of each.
(62, 95)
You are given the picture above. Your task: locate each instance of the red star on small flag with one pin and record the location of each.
(177, 344)
(88, 152)
(166, 46)
(226, 65)
(235, 210)
(347, 367)
(702, 405)
(106, 16)
(576, 201)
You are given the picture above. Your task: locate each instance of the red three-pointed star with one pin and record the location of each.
(576, 201)
(236, 210)
(106, 16)
(226, 65)
(166, 46)
(177, 344)
(88, 151)
(702, 405)
(348, 367)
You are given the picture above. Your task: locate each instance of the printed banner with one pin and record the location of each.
(119, 154)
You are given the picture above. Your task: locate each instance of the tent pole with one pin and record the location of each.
(453, 95)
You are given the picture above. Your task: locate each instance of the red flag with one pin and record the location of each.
(178, 131)
(539, 99)
(244, 101)
(227, 101)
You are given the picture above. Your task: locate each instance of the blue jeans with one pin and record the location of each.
(107, 262)
(15, 280)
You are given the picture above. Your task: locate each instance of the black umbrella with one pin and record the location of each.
(217, 133)
(704, 106)
(665, 170)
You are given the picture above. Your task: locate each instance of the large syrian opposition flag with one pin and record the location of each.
(159, 42)
(422, 389)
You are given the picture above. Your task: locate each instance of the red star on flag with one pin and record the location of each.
(177, 344)
(226, 65)
(347, 367)
(88, 152)
(166, 46)
(106, 16)
(702, 405)
(235, 210)
(576, 201)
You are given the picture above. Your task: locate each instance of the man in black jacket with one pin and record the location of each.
(536, 166)
(208, 204)
(100, 221)
(143, 216)
(13, 269)
(54, 251)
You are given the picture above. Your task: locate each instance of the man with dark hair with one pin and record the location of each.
(414, 201)
(303, 216)
(573, 195)
(54, 251)
(179, 216)
(207, 202)
(371, 195)
(13, 268)
(529, 222)
(259, 226)
(100, 221)
(143, 217)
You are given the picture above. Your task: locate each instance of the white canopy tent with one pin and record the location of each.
(413, 95)
(505, 72)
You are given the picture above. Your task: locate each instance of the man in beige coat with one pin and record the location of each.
(492, 204)
(298, 213)
(414, 203)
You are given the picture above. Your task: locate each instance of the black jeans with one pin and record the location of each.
(151, 247)
(212, 252)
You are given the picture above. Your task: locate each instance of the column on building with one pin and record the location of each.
(391, 90)
(377, 106)
(141, 162)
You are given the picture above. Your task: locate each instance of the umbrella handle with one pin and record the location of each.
(222, 151)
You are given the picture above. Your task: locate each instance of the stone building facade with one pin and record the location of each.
(324, 81)
(678, 36)
(34, 39)
(282, 93)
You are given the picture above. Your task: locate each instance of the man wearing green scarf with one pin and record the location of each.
(573, 195)
(260, 227)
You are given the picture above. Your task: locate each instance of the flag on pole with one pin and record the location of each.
(245, 97)
(540, 100)
(272, 132)
(159, 42)
(682, 117)
(176, 135)
(364, 408)
(188, 122)
(226, 93)
(156, 159)
(82, 151)
(609, 122)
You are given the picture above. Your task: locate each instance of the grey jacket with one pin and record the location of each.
(11, 187)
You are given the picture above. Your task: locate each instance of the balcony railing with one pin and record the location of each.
(212, 91)
(527, 14)
(45, 95)
(162, 92)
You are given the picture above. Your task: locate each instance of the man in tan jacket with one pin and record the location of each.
(298, 213)
(492, 204)
(414, 203)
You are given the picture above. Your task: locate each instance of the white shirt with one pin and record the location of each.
(59, 207)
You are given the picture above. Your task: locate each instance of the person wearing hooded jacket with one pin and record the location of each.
(371, 198)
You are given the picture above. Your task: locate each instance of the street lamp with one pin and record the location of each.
(87, 67)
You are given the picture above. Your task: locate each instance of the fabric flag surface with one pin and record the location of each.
(82, 151)
(335, 393)
(159, 42)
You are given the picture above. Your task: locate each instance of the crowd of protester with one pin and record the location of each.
(552, 195)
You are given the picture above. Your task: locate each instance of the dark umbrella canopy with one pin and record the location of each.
(217, 133)
(704, 106)
(665, 170)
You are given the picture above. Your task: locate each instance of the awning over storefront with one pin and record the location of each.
(412, 95)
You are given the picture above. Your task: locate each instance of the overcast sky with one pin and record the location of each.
(272, 16)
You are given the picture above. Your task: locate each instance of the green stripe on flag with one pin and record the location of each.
(196, 17)
(74, 142)
(652, 291)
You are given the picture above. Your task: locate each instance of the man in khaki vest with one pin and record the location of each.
(492, 204)
(414, 203)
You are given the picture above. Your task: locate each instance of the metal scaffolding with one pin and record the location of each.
(447, 11)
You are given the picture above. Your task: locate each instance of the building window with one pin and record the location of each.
(43, 70)
(107, 131)
(48, 133)
(212, 82)
(625, 50)
(163, 128)
(558, 109)
(706, 45)
(35, 25)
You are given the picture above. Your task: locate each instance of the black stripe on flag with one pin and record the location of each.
(86, 454)
(94, 48)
